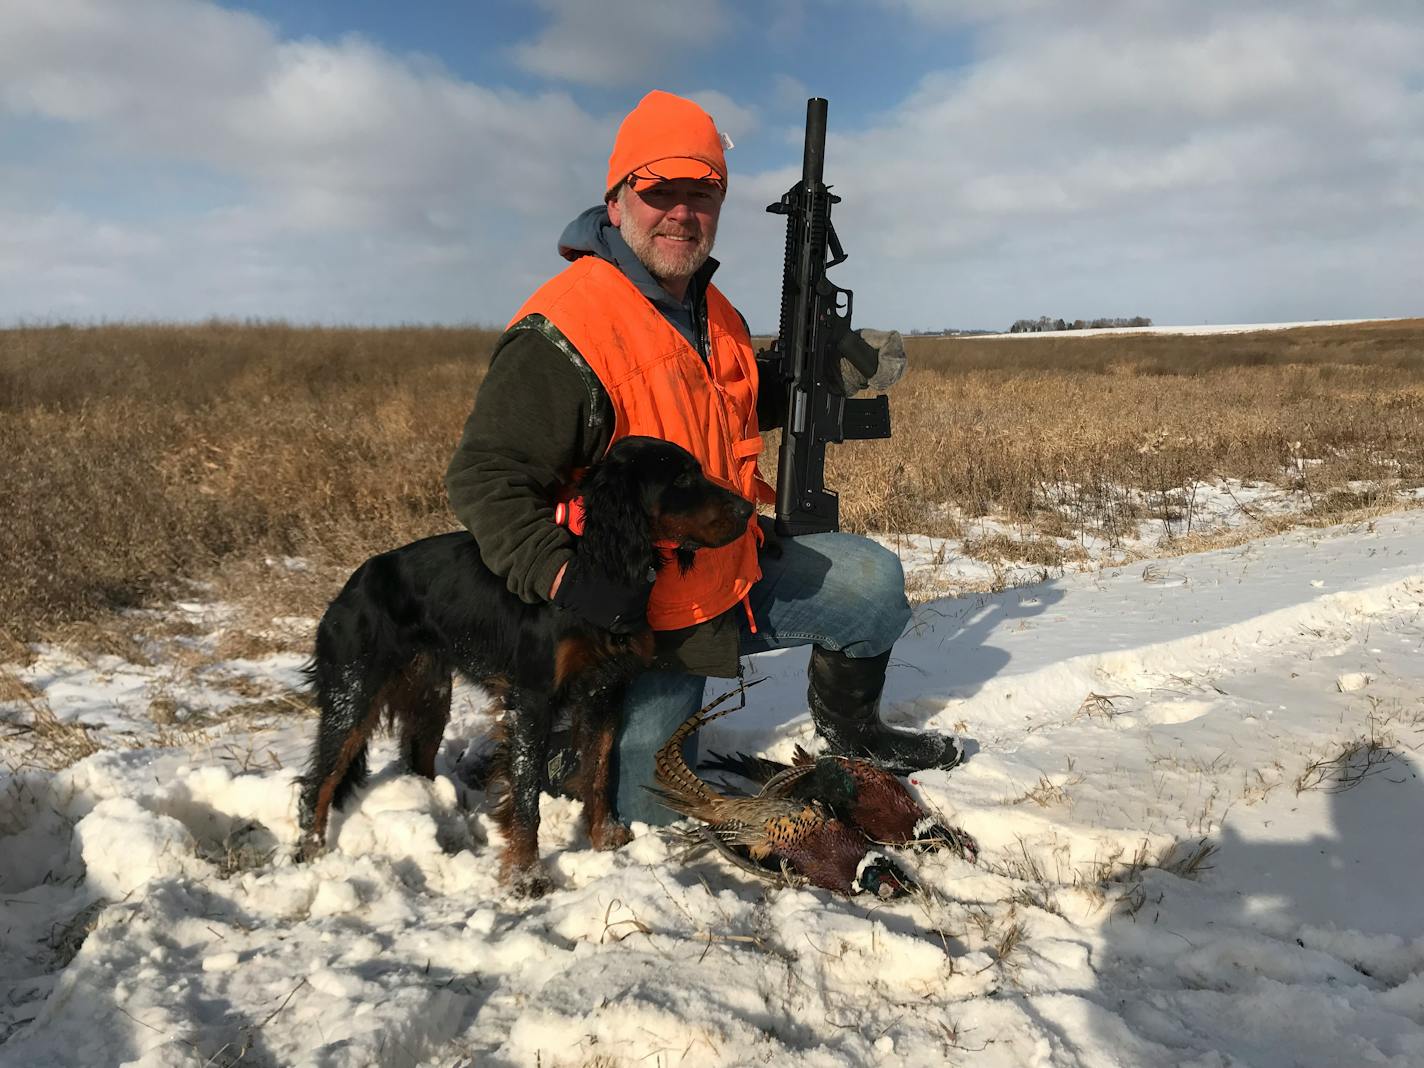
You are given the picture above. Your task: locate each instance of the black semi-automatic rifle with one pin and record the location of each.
(815, 335)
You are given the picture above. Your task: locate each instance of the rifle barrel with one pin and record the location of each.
(813, 165)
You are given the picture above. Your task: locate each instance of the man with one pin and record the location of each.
(632, 338)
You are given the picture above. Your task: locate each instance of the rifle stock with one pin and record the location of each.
(815, 324)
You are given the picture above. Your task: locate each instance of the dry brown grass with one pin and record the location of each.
(1043, 427)
(50, 743)
(140, 457)
(1036, 551)
(15, 690)
(140, 454)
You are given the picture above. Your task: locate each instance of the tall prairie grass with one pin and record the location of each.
(1056, 431)
(137, 457)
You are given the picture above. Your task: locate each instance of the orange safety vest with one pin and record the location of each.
(660, 387)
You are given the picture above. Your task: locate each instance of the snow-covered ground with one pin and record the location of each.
(1225, 509)
(1195, 781)
(1199, 328)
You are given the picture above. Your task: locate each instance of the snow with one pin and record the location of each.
(1194, 780)
(1229, 508)
(1200, 328)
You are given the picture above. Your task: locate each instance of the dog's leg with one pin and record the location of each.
(598, 726)
(527, 722)
(423, 710)
(425, 741)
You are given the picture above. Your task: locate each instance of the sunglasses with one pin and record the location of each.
(648, 176)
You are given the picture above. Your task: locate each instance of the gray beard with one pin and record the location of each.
(661, 263)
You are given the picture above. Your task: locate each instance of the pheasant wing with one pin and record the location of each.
(781, 876)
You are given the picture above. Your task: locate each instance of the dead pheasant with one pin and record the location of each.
(805, 836)
(861, 791)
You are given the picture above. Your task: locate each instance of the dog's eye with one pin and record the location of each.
(683, 481)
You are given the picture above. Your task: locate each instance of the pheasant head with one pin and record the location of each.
(836, 856)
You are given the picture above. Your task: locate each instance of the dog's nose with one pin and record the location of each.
(744, 509)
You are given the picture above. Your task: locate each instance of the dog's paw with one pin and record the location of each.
(531, 882)
(309, 847)
(610, 834)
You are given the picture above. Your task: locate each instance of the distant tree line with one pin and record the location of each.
(1043, 324)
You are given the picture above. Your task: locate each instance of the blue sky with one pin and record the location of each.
(371, 162)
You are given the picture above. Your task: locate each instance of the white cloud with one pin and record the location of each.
(89, 60)
(1258, 160)
(620, 42)
(362, 184)
(1184, 153)
(335, 135)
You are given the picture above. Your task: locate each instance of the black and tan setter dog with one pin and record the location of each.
(408, 619)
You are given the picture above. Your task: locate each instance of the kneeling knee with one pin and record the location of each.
(874, 583)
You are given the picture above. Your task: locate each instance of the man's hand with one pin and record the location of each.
(610, 606)
(873, 359)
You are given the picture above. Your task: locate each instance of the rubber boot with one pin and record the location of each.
(844, 696)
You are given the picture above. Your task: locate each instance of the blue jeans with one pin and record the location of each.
(836, 590)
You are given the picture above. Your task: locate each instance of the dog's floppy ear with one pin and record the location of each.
(617, 536)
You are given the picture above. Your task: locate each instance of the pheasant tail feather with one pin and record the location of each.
(678, 786)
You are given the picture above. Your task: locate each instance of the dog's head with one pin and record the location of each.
(646, 490)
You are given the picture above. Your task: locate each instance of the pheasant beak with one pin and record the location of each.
(882, 878)
(894, 884)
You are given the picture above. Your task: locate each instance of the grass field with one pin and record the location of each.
(263, 461)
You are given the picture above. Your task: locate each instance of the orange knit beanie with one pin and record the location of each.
(667, 137)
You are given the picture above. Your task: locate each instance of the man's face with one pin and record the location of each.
(669, 226)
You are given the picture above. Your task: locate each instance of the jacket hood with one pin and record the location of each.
(592, 233)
